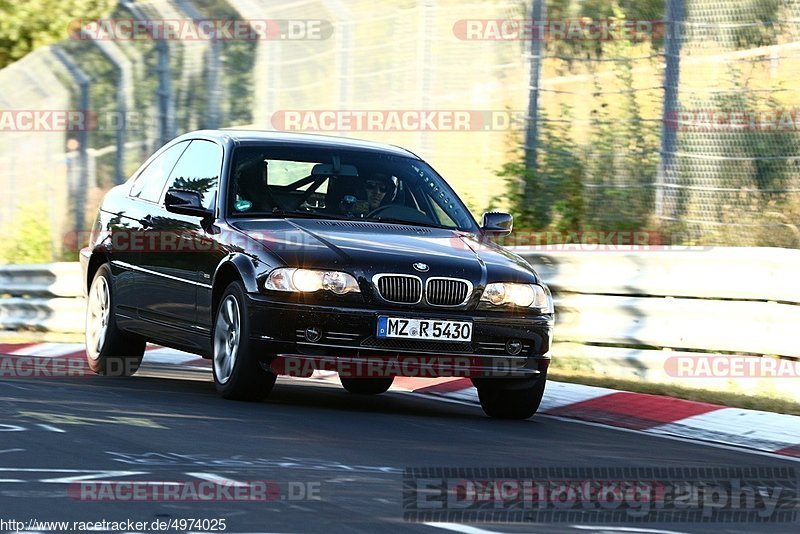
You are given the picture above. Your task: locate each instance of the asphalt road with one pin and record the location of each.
(169, 424)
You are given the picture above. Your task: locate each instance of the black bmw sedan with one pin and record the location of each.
(274, 253)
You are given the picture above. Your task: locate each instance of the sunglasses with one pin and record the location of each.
(370, 185)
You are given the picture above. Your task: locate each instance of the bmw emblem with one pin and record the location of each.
(421, 267)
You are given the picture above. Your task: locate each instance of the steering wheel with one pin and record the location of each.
(378, 210)
(394, 211)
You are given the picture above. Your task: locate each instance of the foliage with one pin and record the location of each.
(539, 194)
(753, 167)
(604, 185)
(599, 11)
(740, 25)
(200, 185)
(30, 242)
(237, 61)
(28, 24)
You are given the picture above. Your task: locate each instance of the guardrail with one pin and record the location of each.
(46, 297)
(626, 313)
(619, 313)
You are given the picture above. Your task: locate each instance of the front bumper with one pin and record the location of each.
(349, 345)
(84, 257)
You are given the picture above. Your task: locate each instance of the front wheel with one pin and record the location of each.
(513, 399)
(109, 350)
(237, 372)
(367, 386)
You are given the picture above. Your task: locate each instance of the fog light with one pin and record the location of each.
(313, 334)
(513, 346)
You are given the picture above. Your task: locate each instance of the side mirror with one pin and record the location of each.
(497, 224)
(185, 202)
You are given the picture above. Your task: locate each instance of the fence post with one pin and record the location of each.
(124, 96)
(165, 109)
(425, 68)
(82, 81)
(213, 66)
(214, 116)
(538, 14)
(666, 178)
(344, 38)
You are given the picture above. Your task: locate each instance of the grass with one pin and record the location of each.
(733, 400)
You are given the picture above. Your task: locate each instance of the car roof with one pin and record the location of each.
(293, 138)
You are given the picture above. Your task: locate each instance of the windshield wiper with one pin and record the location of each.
(277, 212)
(392, 220)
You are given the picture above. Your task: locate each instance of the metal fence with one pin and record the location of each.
(630, 132)
(33, 166)
(688, 125)
(380, 57)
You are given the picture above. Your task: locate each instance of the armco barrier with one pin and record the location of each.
(46, 297)
(41, 280)
(740, 273)
(625, 313)
(619, 313)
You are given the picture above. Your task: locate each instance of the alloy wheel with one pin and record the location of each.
(227, 333)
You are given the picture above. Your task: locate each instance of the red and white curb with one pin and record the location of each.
(654, 414)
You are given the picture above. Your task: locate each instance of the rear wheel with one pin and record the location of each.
(109, 350)
(237, 372)
(367, 386)
(512, 399)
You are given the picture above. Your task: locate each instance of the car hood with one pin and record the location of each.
(367, 248)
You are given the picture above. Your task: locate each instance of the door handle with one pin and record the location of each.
(146, 221)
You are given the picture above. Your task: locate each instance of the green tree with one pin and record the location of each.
(28, 24)
(605, 182)
(31, 240)
(555, 184)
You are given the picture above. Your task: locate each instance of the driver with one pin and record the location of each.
(251, 188)
(378, 186)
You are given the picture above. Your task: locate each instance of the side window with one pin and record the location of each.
(442, 216)
(198, 170)
(151, 180)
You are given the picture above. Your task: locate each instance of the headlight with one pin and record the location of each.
(522, 295)
(308, 281)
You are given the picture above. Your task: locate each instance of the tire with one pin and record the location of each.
(514, 400)
(109, 350)
(367, 386)
(238, 374)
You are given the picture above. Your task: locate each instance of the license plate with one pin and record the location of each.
(424, 329)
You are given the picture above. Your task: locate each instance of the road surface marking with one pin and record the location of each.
(218, 479)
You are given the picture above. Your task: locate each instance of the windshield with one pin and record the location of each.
(269, 181)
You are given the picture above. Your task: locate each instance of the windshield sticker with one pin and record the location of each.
(243, 205)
